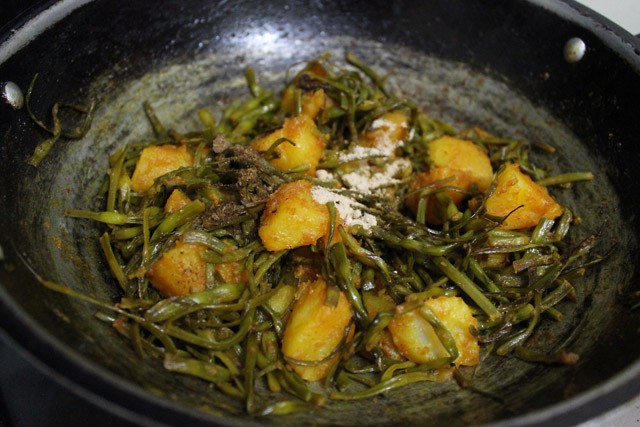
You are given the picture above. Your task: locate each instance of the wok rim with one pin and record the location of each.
(111, 392)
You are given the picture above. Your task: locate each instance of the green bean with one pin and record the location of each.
(126, 233)
(114, 179)
(203, 238)
(207, 120)
(557, 295)
(379, 81)
(342, 268)
(188, 366)
(255, 87)
(192, 338)
(539, 234)
(385, 386)
(530, 261)
(468, 287)
(114, 265)
(170, 307)
(522, 336)
(441, 331)
(57, 132)
(391, 370)
(566, 178)
(421, 247)
(285, 407)
(156, 124)
(561, 357)
(365, 256)
(176, 219)
(251, 353)
(480, 274)
(111, 218)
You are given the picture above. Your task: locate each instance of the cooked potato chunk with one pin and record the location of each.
(180, 271)
(176, 201)
(314, 329)
(464, 156)
(416, 339)
(387, 131)
(460, 180)
(374, 304)
(292, 218)
(513, 189)
(459, 159)
(308, 148)
(232, 272)
(312, 102)
(156, 161)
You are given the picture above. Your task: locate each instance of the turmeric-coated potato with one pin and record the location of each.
(416, 339)
(315, 330)
(455, 163)
(374, 304)
(439, 177)
(180, 271)
(308, 149)
(387, 131)
(156, 161)
(514, 189)
(464, 156)
(176, 201)
(292, 218)
(232, 272)
(312, 102)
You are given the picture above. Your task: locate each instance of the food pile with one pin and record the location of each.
(332, 241)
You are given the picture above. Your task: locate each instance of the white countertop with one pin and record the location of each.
(625, 13)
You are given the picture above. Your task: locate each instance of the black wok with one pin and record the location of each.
(498, 64)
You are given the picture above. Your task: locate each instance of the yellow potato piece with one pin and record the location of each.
(387, 131)
(232, 272)
(156, 161)
(314, 330)
(455, 158)
(312, 102)
(176, 201)
(180, 271)
(308, 148)
(456, 316)
(292, 218)
(461, 180)
(513, 189)
(374, 304)
(415, 338)
(464, 156)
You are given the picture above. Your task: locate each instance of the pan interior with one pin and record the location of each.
(67, 250)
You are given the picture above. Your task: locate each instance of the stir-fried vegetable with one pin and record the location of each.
(57, 130)
(332, 233)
